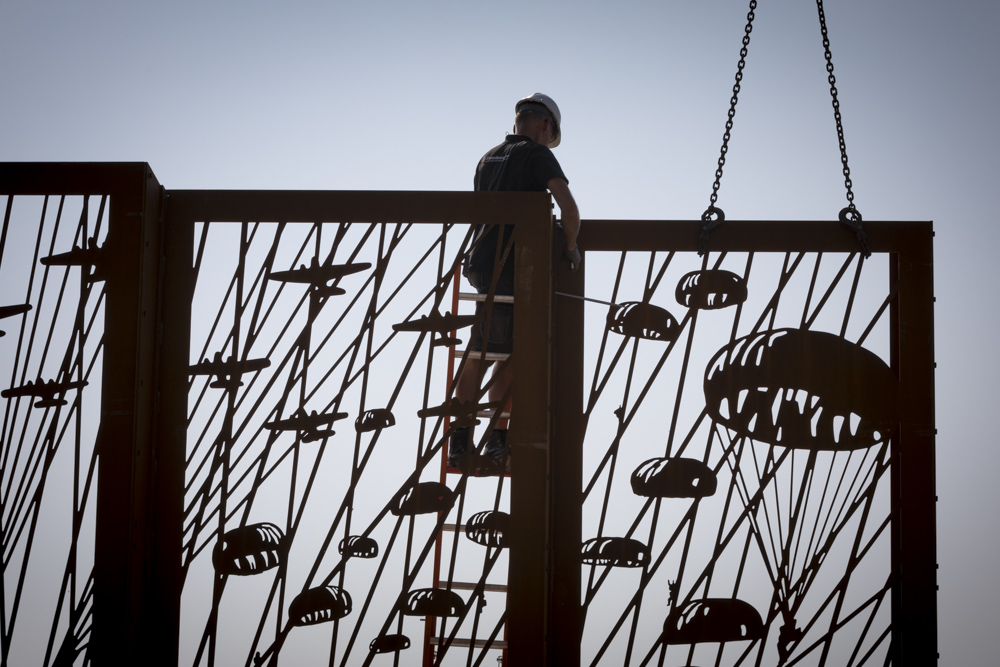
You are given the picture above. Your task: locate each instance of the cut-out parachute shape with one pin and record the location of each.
(490, 529)
(389, 644)
(373, 420)
(803, 389)
(319, 605)
(438, 324)
(711, 289)
(11, 311)
(643, 320)
(713, 620)
(92, 256)
(358, 546)
(307, 424)
(44, 391)
(318, 275)
(228, 371)
(249, 550)
(433, 602)
(615, 551)
(422, 498)
(673, 478)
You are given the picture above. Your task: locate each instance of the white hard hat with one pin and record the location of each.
(548, 103)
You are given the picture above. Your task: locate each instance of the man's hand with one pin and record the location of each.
(573, 257)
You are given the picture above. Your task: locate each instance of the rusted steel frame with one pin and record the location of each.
(914, 613)
(746, 236)
(352, 206)
(140, 442)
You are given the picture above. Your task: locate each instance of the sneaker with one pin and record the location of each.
(496, 445)
(458, 447)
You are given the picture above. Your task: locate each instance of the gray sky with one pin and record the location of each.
(407, 96)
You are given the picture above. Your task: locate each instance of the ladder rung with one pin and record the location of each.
(497, 298)
(488, 414)
(490, 356)
(471, 586)
(498, 644)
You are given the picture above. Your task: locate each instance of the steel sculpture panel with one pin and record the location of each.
(722, 459)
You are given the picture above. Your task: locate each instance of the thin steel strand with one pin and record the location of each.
(736, 588)
(772, 305)
(408, 581)
(751, 503)
(31, 337)
(592, 398)
(878, 314)
(652, 570)
(850, 299)
(261, 459)
(19, 589)
(613, 452)
(864, 632)
(262, 622)
(652, 287)
(595, 390)
(794, 521)
(720, 548)
(598, 390)
(679, 394)
(200, 251)
(829, 290)
(360, 470)
(875, 599)
(493, 635)
(650, 573)
(642, 585)
(10, 418)
(842, 588)
(646, 388)
(391, 336)
(225, 299)
(877, 470)
(815, 527)
(692, 432)
(226, 441)
(809, 293)
(6, 226)
(369, 325)
(20, 501)
(259, 286)
(371, 593)
(591, 592)
(850, 490)
(839, 604)
(866, 498)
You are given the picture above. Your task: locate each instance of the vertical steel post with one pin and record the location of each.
(528, 602)
(140, 443)
(566, 465)
(915, 556)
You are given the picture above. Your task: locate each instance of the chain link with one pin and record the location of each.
(713, 216)
(850, 216)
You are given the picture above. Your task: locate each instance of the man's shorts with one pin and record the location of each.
(501, 334)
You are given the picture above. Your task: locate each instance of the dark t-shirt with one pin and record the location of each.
(518, 164)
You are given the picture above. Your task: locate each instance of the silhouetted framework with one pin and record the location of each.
(225, 416)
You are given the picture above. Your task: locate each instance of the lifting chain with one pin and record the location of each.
(713, 216)
(849, 216)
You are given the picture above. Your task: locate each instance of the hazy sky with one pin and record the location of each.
(407, 96)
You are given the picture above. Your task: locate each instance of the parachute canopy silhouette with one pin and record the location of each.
(804, 389)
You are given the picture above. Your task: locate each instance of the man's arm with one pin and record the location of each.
(567, 207)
